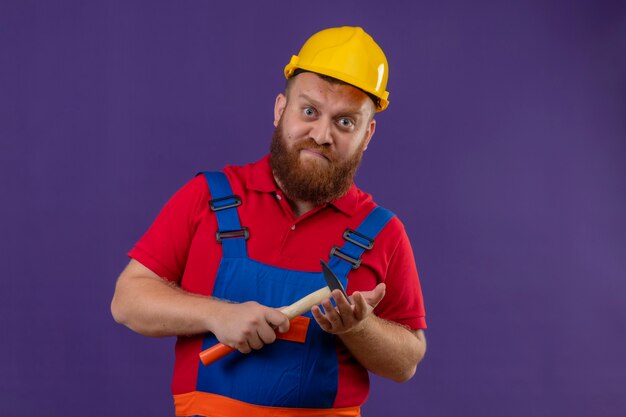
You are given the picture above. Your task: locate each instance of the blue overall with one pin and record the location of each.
(281, 374)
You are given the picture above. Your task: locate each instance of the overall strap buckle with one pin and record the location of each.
(357, 239)
(360, 240)
(355, 262)
(232, 234)
(224, 203)
(363, 241)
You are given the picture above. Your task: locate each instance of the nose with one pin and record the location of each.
(321, 131)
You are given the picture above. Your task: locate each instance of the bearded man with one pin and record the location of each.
(230, 249)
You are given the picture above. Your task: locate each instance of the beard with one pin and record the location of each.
(310, 180)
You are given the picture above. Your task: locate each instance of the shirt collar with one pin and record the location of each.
(261, 179)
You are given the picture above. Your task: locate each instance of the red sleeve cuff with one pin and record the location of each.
(149, 262)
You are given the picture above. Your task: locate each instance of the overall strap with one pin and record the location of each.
(343, 260)
(224, 203)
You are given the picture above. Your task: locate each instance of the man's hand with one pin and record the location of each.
(382, 347)
(345, 317)
(152, 306)
(248, 325)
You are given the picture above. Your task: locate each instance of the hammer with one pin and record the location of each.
(218, 351)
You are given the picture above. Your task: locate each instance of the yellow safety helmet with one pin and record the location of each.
(347, 54)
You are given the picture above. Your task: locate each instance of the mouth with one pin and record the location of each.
(314, 154)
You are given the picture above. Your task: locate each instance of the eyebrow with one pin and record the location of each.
(348, 112)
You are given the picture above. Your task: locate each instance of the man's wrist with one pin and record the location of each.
(361, 327)
(212, 313)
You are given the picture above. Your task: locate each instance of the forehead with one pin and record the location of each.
(310, 86)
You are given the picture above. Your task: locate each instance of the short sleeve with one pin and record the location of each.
(165, 246)
(403, 302)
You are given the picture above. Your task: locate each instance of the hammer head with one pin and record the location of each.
(332, 281)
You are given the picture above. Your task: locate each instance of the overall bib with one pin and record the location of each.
(284, 373)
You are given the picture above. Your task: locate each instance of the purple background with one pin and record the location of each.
(503, 151)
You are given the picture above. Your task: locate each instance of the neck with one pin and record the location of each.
(300, 208)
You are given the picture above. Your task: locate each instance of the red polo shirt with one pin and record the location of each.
(181, 247)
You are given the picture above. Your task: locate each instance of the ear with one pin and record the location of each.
(369, 133)
(279, 108)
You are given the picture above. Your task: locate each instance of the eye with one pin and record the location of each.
(308, 111)
(346, 123)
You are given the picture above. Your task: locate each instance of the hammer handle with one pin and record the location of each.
(218, 351)
(306, 303)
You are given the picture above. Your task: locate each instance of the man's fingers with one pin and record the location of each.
(266, 335)
(344, 307)
(327, 318)
(360, 306)
(321, 319)
(243, 347)
(255, 327)
(277, 320)
(331, 313)
(374, 296)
